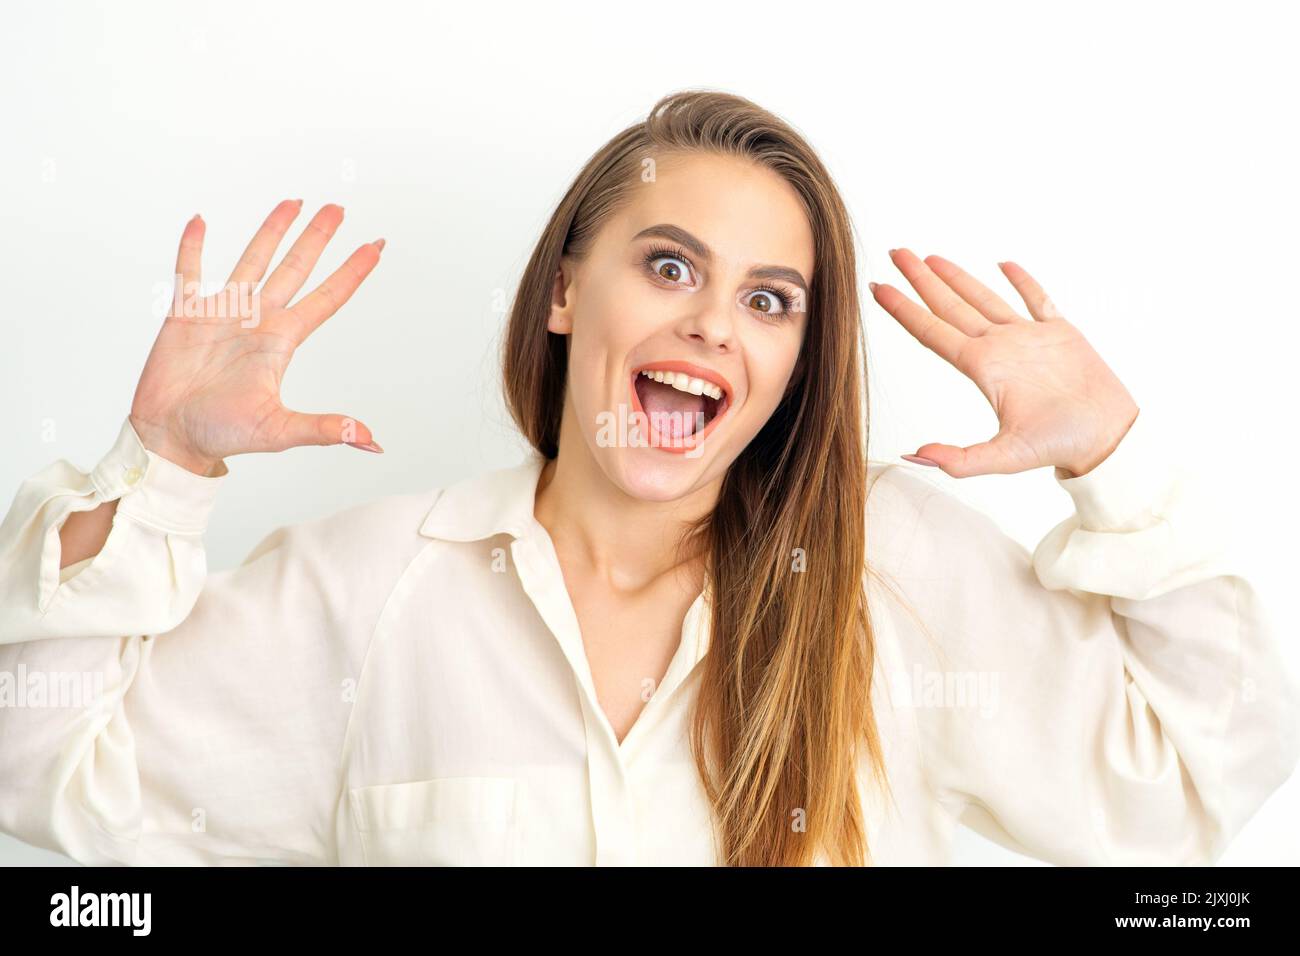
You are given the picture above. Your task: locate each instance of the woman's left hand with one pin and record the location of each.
(1057, 402)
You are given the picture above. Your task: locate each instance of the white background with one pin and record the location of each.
(1139, 159)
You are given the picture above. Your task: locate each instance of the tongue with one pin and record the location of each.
(670, 411)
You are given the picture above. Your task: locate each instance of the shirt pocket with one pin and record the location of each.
(446, 821)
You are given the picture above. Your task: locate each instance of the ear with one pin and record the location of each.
(560, 320)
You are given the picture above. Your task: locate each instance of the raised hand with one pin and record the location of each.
(211, 385)
(1057, 402)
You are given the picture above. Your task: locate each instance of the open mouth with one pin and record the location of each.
(681, 408)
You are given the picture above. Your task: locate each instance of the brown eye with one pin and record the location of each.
(668, 265)
(771, 301)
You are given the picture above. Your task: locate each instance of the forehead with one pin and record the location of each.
(747, 214)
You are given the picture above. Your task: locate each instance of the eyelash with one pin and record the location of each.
(675, 252)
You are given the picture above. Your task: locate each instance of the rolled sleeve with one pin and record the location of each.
(153, 555)
(154, 491)
(1131, 487)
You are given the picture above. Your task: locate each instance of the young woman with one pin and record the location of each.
(661, 638)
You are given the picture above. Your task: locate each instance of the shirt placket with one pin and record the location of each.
(612, 815)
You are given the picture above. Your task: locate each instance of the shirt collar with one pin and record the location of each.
(498, 502)
(504, 502)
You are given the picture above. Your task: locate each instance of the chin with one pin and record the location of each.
(651, 474)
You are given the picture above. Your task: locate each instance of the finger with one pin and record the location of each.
(934, 292)
(190, 254)
(330, 295)
(293, 270)
(930, 330)
(980, 297)
(300, 429)
(993, 457)
(1040, 306)
(252, 264)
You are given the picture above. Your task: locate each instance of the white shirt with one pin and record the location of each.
(404, 682)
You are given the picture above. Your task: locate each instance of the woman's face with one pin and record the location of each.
(703, 275)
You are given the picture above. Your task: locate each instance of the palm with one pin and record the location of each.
(1056, 400)
(227, 380)
(211, 385)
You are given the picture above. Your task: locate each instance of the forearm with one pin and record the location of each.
(84, 533)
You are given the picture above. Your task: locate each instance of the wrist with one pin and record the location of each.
(162, 444)
(1076, 470)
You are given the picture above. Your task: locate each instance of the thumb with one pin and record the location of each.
(304, 429)
(992, 457)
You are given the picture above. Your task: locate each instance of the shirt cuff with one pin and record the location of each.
(1131, 487)
(153, 490)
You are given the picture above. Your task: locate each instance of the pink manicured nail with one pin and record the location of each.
(921, 461)
(871, 286)
(366, 446)
(379, 244)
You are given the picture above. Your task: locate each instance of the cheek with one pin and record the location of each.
(771, 362)
(616, 312)
(764, 397)
(605, 337)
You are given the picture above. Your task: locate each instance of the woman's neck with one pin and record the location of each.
(626, 542)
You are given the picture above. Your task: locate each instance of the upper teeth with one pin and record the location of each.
(684, 383)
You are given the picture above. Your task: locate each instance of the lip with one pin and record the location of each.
(695, 371)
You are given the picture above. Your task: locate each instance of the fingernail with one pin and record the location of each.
(871, 286)
(197, 218)
(366, 446)
(379, 244)
(892, 251)
(921, 461)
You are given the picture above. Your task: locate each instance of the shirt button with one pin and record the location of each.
(133, 476)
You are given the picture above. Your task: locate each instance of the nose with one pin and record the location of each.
(711, 325)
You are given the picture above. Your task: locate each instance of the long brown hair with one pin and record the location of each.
(783, 716)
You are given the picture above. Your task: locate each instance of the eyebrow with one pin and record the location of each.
(677, 234)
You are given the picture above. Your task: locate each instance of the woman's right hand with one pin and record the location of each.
(211, 385)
